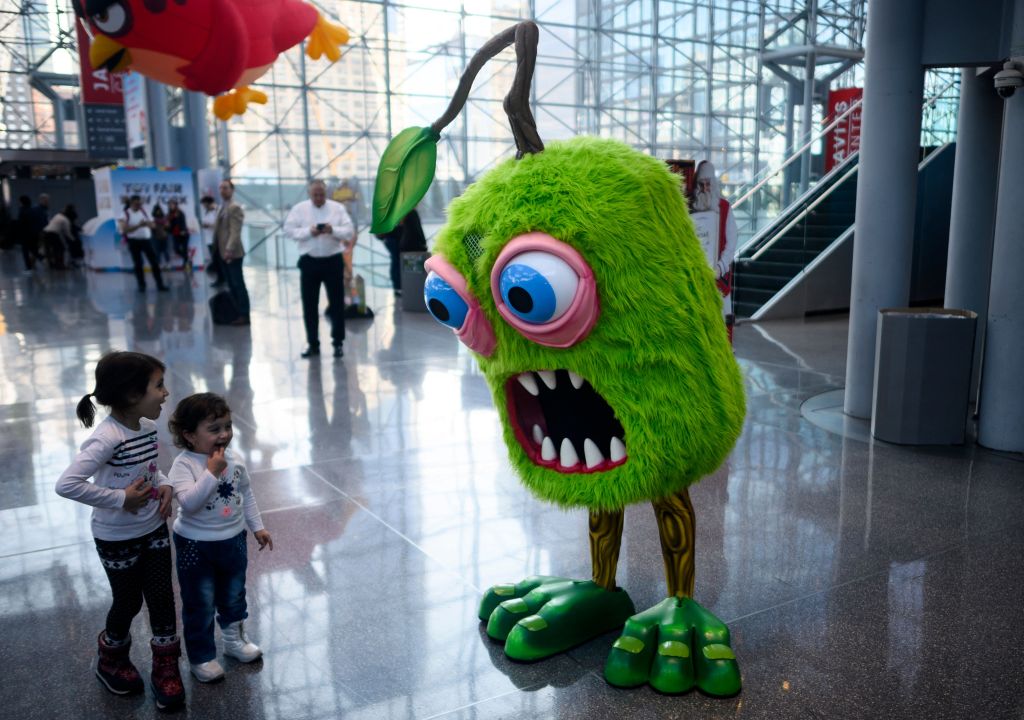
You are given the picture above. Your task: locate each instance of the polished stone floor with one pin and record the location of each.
(860, 580)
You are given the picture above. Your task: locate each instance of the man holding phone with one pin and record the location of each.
(324, 231)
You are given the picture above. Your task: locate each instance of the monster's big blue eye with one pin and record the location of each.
(446, 305)
(538, 286)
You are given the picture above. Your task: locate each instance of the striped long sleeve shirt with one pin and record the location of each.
(114, 457)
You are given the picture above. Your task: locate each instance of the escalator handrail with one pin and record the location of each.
(802, 215)
(799, 205)
(759, 236)
(797, 153)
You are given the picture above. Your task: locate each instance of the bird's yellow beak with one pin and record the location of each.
(107, 54)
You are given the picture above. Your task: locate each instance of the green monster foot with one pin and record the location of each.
(542, 615)
(675, 645)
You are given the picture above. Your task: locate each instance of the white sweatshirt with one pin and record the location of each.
(211, 508)
(115, 456)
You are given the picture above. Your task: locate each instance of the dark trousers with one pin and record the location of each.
(394, 246)
(211, 574)
(53, 244)
(29, 249)
(330, 271)
(138, 248)
(236, 285)
(139, 569)
(181, 246)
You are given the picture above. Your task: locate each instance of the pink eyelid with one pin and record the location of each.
(476, 332)
(577, 321)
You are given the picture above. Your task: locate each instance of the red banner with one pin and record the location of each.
(98, 86)
(844, 139)
(102, 104)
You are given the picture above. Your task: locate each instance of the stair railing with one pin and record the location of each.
(796, 154)
(745, 197)
(802, 215)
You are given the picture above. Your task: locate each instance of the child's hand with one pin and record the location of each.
(217, 463)
(136, 495)
(166, 493)
(263, 538)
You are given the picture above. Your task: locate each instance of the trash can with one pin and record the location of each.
(923, 360)
(413, 278)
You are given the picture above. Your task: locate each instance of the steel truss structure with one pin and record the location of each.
(739, 82)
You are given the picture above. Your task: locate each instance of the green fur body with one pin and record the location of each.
(659, 353)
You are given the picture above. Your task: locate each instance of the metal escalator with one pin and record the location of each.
(789, 239)
(794, 239)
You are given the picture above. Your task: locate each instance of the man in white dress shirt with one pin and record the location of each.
(324, 231)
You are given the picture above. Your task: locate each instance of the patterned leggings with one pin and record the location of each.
(139, 569)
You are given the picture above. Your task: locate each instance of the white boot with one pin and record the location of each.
(237, 645)
(208, 671)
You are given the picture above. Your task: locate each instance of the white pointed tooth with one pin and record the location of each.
(548, 376)
(576, 380)
(592, 454)
(538, 434)
(618, 450)
(527, 380)
(547, 449)
(568, 456)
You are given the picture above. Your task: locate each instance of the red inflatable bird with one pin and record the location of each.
(212, 46)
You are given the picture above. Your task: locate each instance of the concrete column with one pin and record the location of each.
(159, 127)
(887, 188)
(197, 131)
(1001, 408)
(973, 215)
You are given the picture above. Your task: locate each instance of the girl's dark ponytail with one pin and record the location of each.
(86, 411)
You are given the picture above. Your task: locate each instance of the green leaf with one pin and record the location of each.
(405, 172)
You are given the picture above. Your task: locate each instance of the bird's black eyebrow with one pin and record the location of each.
(97, 7)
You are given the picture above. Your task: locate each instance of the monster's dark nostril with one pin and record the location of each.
(520, 300)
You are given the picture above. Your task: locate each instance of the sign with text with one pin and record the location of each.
(135, 110)
(844, 139)
(102, 103)
(114, 186)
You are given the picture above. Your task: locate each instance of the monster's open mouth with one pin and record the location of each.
(563, 423)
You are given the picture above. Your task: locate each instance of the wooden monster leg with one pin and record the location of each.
(676, 527)
(605, 539)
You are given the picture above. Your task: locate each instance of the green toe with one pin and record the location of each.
(505, 617)
(630, 660)
(718, 671)
(498, 594)
(672, 669)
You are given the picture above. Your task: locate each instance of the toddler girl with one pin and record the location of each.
(131, 501)
(215, 503)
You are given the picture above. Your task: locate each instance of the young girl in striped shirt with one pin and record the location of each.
(131, 501)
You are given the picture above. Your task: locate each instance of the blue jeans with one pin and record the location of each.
(211, 574)
(236, 285)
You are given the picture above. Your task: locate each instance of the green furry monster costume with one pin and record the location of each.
(574, 273)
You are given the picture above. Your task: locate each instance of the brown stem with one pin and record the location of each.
(517, 102)
(676, 526)
(605, 539)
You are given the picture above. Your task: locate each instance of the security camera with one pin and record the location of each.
(1009, 79)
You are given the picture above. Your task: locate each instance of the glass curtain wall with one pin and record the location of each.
(679, 79)
(673, 78)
